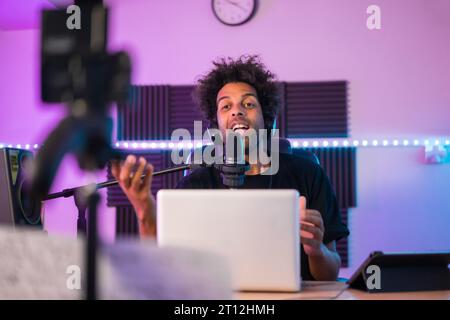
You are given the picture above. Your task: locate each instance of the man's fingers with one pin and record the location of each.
(308, 241)
(302, 205)
(311, 230)
(314, 217)
(306, 234)
(136, 181)
(125, 172)
(148, 177)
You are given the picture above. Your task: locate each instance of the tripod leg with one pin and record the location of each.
(92, 244)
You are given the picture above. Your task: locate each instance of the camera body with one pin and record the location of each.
(75, 65)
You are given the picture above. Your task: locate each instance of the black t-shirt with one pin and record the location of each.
(295, 172)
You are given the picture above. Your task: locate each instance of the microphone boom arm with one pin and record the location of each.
(71, 191)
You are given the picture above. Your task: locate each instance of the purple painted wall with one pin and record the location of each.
(399, 78)
(25, 119)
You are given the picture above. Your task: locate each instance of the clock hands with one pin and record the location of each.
(236, 4)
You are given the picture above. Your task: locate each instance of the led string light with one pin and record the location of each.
(295, 143)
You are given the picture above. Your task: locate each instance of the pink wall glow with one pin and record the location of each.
(25, 119)
(397, 74)
(17, 15)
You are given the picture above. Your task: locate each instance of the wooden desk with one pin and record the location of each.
(323, 290)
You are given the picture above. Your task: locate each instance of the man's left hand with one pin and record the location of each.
(311, 230)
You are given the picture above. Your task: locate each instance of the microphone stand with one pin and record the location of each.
(87, 197)
(232, 176)
(80, 197)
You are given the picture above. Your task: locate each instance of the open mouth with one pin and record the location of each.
(240, 128)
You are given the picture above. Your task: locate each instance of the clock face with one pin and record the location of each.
(234, 12)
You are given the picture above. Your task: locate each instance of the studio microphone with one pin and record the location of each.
(232, 170)
(234, 167)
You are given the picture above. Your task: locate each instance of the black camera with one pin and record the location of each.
(74, 63)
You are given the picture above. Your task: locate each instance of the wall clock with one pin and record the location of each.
(234, 12)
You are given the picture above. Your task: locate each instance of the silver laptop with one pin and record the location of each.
(256, 230)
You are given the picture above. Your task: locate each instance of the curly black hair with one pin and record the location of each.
(248, 69)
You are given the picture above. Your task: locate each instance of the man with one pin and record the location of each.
(240, 95)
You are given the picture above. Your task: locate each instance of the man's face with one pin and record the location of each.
(238, 108)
